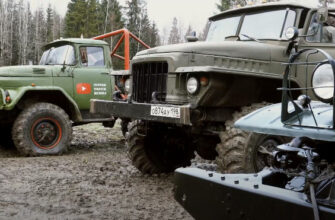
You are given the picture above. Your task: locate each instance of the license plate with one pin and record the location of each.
(169, 112)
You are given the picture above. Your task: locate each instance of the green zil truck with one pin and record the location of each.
(40, 103)
(184, 98)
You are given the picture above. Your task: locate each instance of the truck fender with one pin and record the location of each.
(17, 94)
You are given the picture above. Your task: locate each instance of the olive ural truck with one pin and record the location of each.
(185, 98)
(300, 184)
(40, 103)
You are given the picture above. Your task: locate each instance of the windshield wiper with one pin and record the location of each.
(232, 37)
(251, 38)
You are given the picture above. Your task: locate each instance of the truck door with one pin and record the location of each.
(63, 60)
(91, 79)
(321, 36)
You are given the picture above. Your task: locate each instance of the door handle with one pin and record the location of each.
(104, 73)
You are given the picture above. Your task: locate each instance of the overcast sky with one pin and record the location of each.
(193, 12)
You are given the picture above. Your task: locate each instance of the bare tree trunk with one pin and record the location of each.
(36, 36)
(11, 35)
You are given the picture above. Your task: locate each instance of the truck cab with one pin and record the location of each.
(82, 67)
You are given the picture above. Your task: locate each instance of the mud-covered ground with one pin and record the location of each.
(94, 180)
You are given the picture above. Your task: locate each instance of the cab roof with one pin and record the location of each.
(75, 41)
(266, 6)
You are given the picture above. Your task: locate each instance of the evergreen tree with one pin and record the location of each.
(224, 5)
(227, 4)
(111, 19)
(50, 23)
(23, 33)
(241, 2)
(92, 19)
(133, 14)
(134, 21)
(154, 36)
(174, 37)
(188, 32)
(145, 29)
(76, 18)
(111, 15)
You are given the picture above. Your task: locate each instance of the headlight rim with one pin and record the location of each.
(197, 88)
(127, 82)
(329, 100)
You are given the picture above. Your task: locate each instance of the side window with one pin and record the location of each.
(322, 33)
(314, 30)
(92, 56)
(70, 56)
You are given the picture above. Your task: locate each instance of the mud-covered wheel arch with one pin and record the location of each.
(158, 148)
(42, 129)
(6, 136)
(205, 146)
(243, 152)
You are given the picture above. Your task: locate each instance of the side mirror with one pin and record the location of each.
(292, 33)
(193, 37)
(322, 14)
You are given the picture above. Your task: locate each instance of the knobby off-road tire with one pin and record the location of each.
(157, 149)
(239, 151)
(42, 129)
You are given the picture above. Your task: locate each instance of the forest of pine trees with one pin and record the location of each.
(24, 32)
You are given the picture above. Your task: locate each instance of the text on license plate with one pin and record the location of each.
(169, 112)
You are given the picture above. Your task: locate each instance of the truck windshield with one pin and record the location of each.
(262, 25)
(58, 56)
(221, 29)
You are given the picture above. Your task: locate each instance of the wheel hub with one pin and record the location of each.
(46, 133)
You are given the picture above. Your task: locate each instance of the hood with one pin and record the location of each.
(240, 49)
(302, 126)
(25, 71)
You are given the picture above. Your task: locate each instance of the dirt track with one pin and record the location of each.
(94, 180)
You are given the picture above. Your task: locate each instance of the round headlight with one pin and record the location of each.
(323, 82)
(127, 85)
(192, 85)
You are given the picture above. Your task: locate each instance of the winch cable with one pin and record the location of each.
(314, 203)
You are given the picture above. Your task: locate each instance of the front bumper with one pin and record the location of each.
(208, 195)
(140, 111)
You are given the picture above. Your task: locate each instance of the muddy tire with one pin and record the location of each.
(157, 149)
(244, 152)
(124, 126)
(42, 129)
